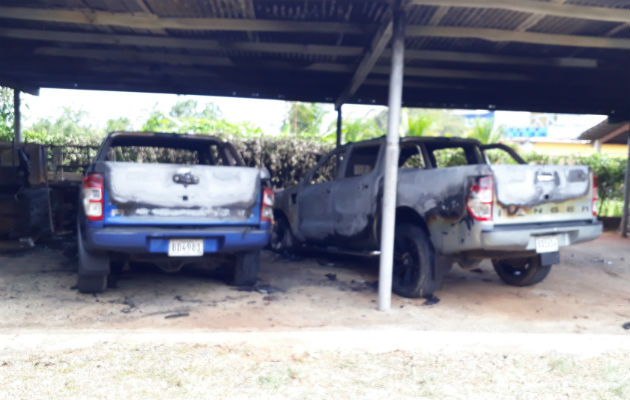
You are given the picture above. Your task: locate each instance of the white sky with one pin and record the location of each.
(267, 114)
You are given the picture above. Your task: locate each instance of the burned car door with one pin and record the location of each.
(315, 219)
(354, 194)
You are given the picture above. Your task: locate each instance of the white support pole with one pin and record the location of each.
(391, 162)
(626, 196)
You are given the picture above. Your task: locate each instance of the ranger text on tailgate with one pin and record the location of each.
(171, 199)
(452, 206)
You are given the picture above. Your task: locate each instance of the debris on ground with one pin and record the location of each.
(180, 298)
(626, 326)
(431, 301)
(178, 315)
(325, 263)
(262, 289)
(331, 277)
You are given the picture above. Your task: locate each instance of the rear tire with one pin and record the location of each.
(93, 269)
(245, 272)
(282, 239)
(521, 271)
(414, 263)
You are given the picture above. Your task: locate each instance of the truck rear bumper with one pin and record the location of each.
(155, 240)
(522, 237)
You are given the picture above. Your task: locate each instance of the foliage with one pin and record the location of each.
(304, 120)
(484, 131)
(420, 124)
(355, 130)
(69, 128)
(6, 113)
(118, 125)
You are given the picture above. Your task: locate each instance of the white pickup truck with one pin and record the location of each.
(451, 207)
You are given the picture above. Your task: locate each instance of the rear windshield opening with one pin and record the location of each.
(194, 153)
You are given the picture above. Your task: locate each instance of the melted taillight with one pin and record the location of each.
(92, 191)
(595, 199)
(266, 210)
(481, 198)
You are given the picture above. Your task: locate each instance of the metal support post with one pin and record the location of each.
(339, 126)
(391, 162)
(626, 194)
(17, 128)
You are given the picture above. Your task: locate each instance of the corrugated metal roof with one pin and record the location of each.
(613, 133)
(308, 50)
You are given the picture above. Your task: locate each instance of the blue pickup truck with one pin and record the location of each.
(171, 199)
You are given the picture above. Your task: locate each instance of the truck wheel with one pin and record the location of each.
(414, 263)
(93, 270)
(245, 272)
(282, 239)
(521, 271)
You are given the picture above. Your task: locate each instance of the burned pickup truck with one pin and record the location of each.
(171, 199)
(452, 206)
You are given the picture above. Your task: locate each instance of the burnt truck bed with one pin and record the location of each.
(453, 206)
(171, 199)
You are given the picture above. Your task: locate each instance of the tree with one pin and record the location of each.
(118, 125)
(304, 120)
(484, 131)
(69, 128)
(420, 124)
(6, 113)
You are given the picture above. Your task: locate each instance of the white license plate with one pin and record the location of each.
(185, 247)
(546, 244)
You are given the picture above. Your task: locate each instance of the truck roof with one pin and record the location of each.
(164, 135)
(423, 139)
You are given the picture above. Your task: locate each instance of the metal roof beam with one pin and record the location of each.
(369, 59)
(535, 7)
(286, 48)
(622, 129)
(150, 21)
(501, 35)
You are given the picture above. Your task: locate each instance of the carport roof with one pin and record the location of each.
(555, 56)
(608, 133)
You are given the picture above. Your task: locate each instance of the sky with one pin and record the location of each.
(266, 114)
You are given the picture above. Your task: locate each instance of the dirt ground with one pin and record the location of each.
(588, 292)
(310, 329)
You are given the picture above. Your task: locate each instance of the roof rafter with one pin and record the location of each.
(369, 59)
(501, 35)
(151, 21)
(535, 7)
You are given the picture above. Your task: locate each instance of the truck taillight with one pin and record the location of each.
(266, 210)
(595, 199)
(93, 197)
(480, 199)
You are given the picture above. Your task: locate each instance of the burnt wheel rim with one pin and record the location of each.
(406, 263)
(516, 269)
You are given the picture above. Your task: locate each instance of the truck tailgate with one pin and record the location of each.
(542, 193)
(185, 194)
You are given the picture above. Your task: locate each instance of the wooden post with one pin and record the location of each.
(388, 225)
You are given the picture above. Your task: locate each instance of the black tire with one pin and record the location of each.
(521, 271)
(93, 270)
(282, 239)
(414, 263)
(245, 271)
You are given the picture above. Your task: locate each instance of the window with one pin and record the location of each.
(327, 171)
(411, 157)
(362, 160)
(153, 154)
(450, 157)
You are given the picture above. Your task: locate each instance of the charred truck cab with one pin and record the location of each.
(453, 206)
(171, 199)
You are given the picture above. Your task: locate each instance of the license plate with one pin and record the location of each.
(546, 244)
(185, 247)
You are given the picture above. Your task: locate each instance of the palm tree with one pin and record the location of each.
(484, 131)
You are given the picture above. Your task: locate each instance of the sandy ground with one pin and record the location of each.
(310, 329)
(589, 292)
